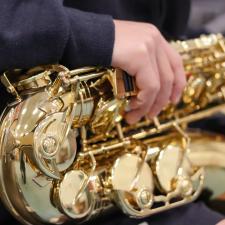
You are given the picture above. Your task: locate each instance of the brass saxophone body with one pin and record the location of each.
(67, 154)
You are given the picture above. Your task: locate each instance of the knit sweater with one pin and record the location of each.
(76, 32)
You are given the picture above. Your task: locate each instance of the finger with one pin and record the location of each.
(148, 84)
(147, 81)
(179, 84)
(222, 222)
(135, 115)
(178, 70)
(166, 83)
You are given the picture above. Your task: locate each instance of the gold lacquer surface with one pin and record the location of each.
(67, 154)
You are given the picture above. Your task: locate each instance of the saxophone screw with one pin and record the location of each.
(186, 187)
(49, 146)
(145, 198)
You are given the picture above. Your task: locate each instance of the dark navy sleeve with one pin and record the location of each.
(176, 18)
(91, 39)
(34, 32)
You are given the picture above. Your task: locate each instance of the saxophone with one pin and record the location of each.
(67, 154)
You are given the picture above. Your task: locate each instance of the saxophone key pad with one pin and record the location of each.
(170, 161)
(74, 195)
(132, 182)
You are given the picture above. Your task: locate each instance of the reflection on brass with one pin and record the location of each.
(67, 154)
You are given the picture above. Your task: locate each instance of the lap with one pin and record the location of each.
(191, 214)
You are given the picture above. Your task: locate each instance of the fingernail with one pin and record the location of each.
(176, 100)
(150, 117)
(130, 122)
(154, 114)
(127, 108)
(135, 104)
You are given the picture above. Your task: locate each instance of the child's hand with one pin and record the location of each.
(141, 51)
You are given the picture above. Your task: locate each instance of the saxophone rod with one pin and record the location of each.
(82, 70)
(86, 77)
(155, 130)
(178, 121)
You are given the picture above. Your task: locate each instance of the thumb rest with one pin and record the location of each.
(66, 153)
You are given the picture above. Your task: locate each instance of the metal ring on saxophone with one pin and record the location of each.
(47, 138)
(132, 198)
